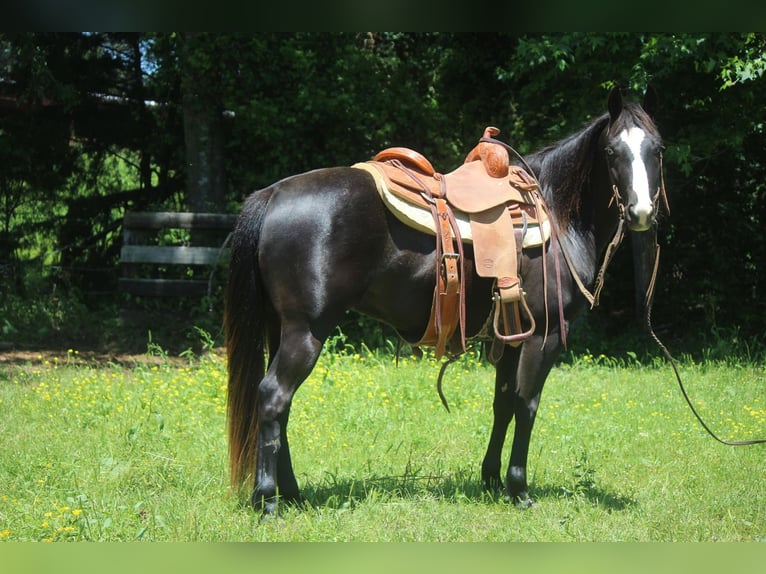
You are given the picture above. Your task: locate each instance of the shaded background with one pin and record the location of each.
(94, 124)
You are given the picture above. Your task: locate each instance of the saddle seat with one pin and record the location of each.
(487, 202)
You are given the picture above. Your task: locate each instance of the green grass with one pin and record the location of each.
(119, 453)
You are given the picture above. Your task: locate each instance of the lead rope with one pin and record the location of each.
(649, 301)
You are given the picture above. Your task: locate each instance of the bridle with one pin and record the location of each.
(619, 235)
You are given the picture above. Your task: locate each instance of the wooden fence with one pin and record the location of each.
(154, 263)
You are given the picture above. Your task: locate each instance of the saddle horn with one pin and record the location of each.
(493, 156)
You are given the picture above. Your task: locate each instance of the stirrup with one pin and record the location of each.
(518, 337)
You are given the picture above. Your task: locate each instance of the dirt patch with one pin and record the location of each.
(90, 357)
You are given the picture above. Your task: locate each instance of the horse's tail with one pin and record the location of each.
(245, 330)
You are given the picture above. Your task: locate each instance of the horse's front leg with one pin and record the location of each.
(534, 365)
(502, 411)
(516, 477)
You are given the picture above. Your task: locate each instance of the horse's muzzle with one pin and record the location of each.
(640, 218)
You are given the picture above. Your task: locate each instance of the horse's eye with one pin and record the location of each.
(609, 150)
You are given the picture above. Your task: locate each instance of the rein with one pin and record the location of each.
(649, 300)
(611, 249)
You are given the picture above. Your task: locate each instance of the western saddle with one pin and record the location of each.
(487, 202)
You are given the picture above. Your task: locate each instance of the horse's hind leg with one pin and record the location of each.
(293, 361)
(287, 484)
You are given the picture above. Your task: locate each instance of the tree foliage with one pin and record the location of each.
(92, 124)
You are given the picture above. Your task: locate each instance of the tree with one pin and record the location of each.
(200, 56)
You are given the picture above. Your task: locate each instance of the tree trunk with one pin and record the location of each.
(204, 157)
(203, 128)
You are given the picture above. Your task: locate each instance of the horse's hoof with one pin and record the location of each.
(522, 502)
(493, 485)
(265, 506)
(271, 512)
(273, 518)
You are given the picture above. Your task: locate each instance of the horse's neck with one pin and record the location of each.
(590, 232)
(591, 217)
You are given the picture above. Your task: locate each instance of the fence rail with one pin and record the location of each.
(144, 263)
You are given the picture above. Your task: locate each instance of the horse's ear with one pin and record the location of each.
(614, 104)
(650, 101)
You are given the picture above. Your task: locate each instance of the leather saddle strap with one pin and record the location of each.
(425, 190)
(460, 262)
(559, 294)
(448, 307)
(448, 254)
(449, 296)
(510, 286)
(540, 208)
(448, 293)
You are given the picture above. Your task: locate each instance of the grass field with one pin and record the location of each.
(110, 452)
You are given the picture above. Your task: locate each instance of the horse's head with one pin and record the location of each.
(633, 148)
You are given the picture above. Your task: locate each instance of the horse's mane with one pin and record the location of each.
(564, 168)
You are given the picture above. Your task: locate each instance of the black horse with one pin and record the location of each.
(308, 248)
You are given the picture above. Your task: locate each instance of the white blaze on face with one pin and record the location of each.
(643, 207)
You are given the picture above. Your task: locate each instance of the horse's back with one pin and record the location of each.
(331, 214)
